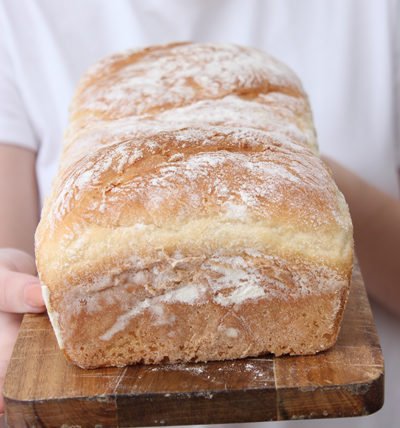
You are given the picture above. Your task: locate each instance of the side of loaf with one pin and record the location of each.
(191, 218)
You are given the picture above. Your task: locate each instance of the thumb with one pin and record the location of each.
(20, 292)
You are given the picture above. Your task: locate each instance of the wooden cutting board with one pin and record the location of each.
(43, 390)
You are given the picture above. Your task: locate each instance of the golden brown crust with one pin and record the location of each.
(195, 152)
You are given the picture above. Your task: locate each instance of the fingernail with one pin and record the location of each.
(33, 296)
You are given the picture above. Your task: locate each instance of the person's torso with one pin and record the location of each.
(341, 50)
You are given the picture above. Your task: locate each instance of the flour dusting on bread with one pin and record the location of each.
(191, 218)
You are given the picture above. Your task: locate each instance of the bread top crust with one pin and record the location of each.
(213, 140)
(158, 78)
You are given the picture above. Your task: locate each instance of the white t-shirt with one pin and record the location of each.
(344, 51)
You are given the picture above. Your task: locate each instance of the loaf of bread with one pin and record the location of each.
(191, 218)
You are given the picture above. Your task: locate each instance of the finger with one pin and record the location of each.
(20, 293)
(17, 260)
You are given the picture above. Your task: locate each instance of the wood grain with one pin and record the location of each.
(43, 390)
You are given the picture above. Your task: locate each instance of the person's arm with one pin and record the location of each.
(19, 209)
(19, 287)
(376, 220)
